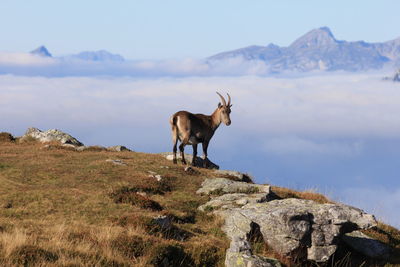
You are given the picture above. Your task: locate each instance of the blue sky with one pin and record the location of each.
(177, 29)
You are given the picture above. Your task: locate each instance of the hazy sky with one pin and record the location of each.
(159, 29)
(336, 132)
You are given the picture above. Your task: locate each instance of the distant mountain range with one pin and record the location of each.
(319, 50)
(316, 50)
(99, 56)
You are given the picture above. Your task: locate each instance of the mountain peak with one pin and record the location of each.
(101, 55)
(315, 38)
(41, 51)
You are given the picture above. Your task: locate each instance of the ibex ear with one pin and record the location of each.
(219, 105)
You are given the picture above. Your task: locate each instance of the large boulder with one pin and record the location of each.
(51, 136)
(367, 245)
(218, 186)
(298, 227)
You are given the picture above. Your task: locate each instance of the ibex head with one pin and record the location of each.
(225, 110)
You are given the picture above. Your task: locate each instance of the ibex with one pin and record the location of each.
(193, 129)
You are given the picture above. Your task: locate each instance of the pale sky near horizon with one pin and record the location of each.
(156, 29)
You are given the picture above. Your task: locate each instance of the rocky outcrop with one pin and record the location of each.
(292, 227)
(52, 135)
(189, 158)
(298, 227)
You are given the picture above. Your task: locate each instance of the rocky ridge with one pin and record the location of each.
(303, 229)
(66, 140)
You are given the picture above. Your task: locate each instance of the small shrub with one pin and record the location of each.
(131, 246)
(250, 190)
(148, 185)
(217, 192)
(124, 195)
(29, 254)
(206, 255)
(78, 237)
(95, 148)
(182, 217)
(6, 137)
(169, 255)
(208, 208)
(27, 139)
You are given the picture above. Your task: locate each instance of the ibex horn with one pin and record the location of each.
(222, 98)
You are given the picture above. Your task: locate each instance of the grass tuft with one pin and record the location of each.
(166, 254)
(131, 246)
(6, 137)
(30, 254)
(130, 197)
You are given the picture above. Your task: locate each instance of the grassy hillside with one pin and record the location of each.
(60, 207)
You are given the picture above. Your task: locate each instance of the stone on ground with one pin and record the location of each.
(52, 135)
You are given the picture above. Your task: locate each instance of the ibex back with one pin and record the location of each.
(193, 129)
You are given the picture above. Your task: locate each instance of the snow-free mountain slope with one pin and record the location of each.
(319, 50)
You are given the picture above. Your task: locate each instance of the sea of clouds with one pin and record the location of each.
(337, 133)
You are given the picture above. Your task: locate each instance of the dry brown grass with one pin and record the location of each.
(283, 192)
(6, 137)
(56, 209)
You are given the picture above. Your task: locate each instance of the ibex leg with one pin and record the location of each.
(181, 149)
(175, 142)
(205, 159)
(194, 154)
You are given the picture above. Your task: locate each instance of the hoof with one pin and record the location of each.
(174, 161)
(205, 164)
(184, 162)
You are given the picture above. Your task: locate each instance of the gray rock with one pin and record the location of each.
(118, 148)
(304, 227)
(229, 201)
(68, 146)
(366, 245)
(190, 170)
(243, 177)
(51, 136)
(155, 176)
(116, 162)
(223, 185)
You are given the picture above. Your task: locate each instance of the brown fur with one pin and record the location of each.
(193, 129)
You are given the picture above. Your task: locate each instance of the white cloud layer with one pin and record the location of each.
(313, 130)
(32, 65)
